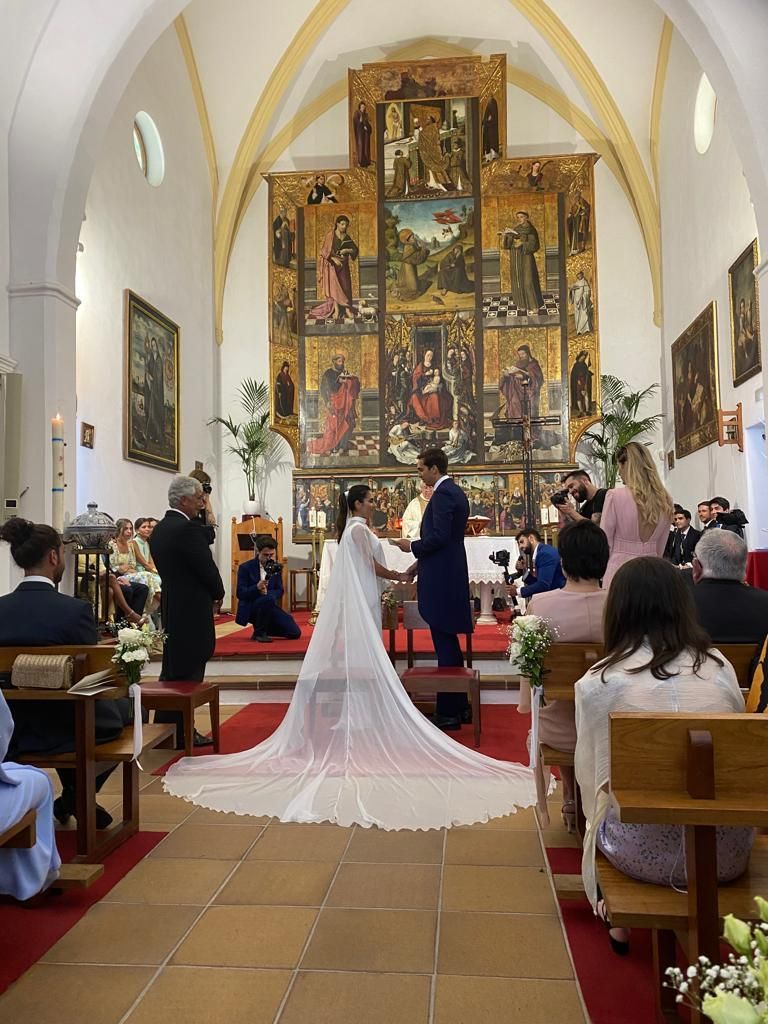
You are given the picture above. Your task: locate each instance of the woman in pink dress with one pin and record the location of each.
(636, 518)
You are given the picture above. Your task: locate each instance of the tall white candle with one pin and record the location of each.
(57, 481)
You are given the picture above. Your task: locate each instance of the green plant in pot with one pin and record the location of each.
(620, 423)
(252, 441)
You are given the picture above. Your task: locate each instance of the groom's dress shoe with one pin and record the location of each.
(446, 724)
(202, 741)
(262, 638)
(466, 716)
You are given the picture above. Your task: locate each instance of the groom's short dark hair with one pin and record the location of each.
(435, 457)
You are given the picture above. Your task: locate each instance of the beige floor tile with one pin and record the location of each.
(247, 937)
(157, 880)
(504, 848)
(405, 847)
(208, 841)
(50, 994)
(291, 883)
(121, 933)
(282, 842)
(502, 945)
(523, 820)
(217, 996)
(357, 999)
(559, 839)
(400, 941)
(495, 889)
(149, 784)
(506, 1001)
(386, 886)
(163, 807)
(202, 816)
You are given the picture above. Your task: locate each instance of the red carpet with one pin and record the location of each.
(485, 640)
(26, 935)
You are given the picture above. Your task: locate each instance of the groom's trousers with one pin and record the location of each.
(448, 651)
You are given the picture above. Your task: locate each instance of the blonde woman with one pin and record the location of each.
(125, 565)
(636, 517)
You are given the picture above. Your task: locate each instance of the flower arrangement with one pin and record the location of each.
(133, 649)
(389, 609)
(530, 638)
(735, 992)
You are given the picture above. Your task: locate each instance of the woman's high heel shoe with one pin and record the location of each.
(619, 946)
(569, 815)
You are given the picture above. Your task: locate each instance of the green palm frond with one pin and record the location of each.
(252, 441)
(619, 424)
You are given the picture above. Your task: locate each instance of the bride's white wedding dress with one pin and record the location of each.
(352, 748)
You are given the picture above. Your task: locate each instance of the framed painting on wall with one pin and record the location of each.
(695, 386)
(151, 386)
(745, 315)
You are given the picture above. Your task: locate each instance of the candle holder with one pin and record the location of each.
(90, 534)
(318, 542)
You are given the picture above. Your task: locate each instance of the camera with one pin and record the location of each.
(207, 488)
(560, 498)
(501, 558)
(271, 568)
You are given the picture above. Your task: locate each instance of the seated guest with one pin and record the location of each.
(539, 564)
(729, 610)
(706, 515)
(258, 596)
(682, 539)
(657, 659)
(576, 612)
(25, 872)
(37, 615)
(123, 562)
(636, 517)
(727, 519)
(142, 531)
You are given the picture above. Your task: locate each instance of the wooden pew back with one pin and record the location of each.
(564, 665)
(742, 657)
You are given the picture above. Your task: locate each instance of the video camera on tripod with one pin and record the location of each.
(502, 558)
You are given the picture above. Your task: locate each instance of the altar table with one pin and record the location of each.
(481, 570)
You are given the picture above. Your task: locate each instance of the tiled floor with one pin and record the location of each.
(238, 921)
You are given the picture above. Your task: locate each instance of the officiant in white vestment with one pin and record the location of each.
(414, 513)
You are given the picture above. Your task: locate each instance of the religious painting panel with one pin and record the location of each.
(695, 385)
(340, 269)
(340, 401)
(523, 375)
(510, 492)
(428, 148)
(315, 506)
(430, 387)
(151, 386)
(481, 492)
(745, 316)
(284, 349)
(391, 496)
(522, 260)
(430, 254)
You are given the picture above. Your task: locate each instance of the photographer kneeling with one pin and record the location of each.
(259, 588)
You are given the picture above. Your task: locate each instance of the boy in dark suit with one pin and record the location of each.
(682, 540)
(259, 594)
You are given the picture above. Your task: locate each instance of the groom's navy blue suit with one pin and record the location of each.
(443, 582)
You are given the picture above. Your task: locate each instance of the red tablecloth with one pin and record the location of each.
(757, 569)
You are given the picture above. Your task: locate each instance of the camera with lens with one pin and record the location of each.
(560, 498)
(207, 488)
(271, 568)
(501, 558)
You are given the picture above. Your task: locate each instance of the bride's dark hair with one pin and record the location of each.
(347, 503)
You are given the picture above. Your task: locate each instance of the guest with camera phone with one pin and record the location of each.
(206, 516)
(259, 589)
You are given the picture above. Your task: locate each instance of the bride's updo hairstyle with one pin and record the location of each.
(347, 503)
(30, 542)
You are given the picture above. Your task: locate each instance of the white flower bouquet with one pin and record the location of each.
(530, 638)
(735, 992)
(133, 649)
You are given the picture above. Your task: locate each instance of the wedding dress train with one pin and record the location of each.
(352, 748)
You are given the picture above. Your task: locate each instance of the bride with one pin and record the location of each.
(352, 748)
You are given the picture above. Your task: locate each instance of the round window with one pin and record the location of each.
(704, 115)
(148, 147)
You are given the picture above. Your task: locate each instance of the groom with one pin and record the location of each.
(443, 580)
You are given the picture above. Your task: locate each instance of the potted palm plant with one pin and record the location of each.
(620, 423)
(252, 441)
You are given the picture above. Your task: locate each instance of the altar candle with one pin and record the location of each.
(313, 519)
(321, 520)
(57, 470)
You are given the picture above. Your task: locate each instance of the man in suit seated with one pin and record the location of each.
(682, 539)
(37, 615)
(729, 610)
(259, 589)
(539, 564)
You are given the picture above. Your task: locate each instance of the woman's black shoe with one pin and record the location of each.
(62, 812)
(619, 946)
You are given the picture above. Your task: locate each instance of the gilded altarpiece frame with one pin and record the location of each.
(412, 294)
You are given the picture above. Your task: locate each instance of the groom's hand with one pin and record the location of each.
(401, 542)
(412, 572)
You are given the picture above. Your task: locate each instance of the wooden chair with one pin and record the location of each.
(185, 697)
(412, 620)
(698, 771)
(243, 549)
(307, 603)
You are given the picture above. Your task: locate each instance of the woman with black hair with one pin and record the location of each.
(657, 659)
(353, 748)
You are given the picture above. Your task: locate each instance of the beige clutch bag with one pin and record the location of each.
(42, 671)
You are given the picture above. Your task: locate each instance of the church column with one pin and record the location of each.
(42, 322)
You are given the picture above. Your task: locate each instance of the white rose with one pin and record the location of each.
(129, 636)
(514, 652)
(528, 622)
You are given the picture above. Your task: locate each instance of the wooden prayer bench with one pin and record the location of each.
(185, 697)
(699, 771)
(22, 835)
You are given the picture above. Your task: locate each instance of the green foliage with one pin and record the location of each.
(252, 441)
(619, 408)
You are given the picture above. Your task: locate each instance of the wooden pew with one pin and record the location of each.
(698, 771)
(22, 835)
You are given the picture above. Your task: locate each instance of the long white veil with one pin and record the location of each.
(352, 747)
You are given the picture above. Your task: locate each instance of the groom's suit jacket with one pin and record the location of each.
(443, 581)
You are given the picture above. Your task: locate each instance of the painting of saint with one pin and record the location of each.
(695, 384)
(522, 241)
(452, 273)
(283, 237)
(401, 169)
(745, 316)
(321, 192)
(581, 386)
(285, 392)
(578, 224)
(393, 122)
(491, 149)
(524, 378)
(534, 175)
(361, 126)
(399, 390)
(432, 157)
(334, 273)
(414, 253)
(431, 403)
(339, 390)
(457, 167)
(580, 296)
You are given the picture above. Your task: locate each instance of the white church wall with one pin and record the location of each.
(707, 220)
(158, 243)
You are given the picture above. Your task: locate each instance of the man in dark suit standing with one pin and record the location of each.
(443, 578)
(192, 592)
(682, 540)
(35, 614)
(539, 564)
(259, 594)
